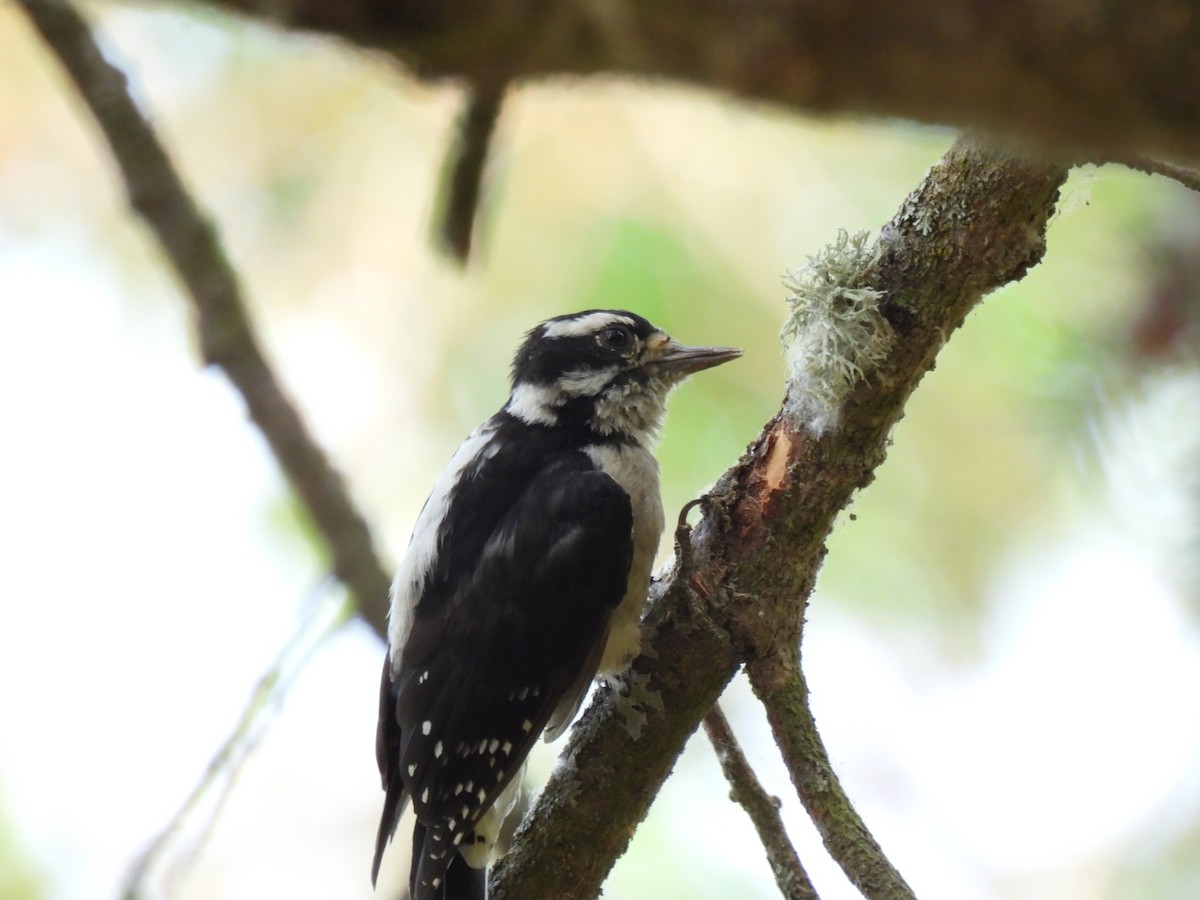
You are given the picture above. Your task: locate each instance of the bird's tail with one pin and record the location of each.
(457, 881)
(394, 805)
(465, 883)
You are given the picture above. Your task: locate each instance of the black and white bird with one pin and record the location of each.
(524, 579)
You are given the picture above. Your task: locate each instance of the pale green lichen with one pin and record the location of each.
(835, 333)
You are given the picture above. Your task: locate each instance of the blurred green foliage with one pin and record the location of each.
(18, 879)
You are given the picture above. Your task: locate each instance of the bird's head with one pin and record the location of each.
(609, 370)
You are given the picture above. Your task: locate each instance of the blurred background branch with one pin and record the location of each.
(1188, 177)
(463, 177)
(226, 335)
(1092, 75)
(182, 838)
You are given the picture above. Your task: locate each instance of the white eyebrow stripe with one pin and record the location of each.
(584, 325)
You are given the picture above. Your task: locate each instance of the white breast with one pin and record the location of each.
(636, 470)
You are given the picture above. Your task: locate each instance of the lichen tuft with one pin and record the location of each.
(835, 333)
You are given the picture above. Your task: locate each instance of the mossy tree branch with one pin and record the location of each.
(743, 576)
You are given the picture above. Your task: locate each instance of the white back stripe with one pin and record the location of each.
(423, 546)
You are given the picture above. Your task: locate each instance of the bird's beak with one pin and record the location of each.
(679, 360)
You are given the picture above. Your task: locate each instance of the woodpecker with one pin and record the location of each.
(524, 579)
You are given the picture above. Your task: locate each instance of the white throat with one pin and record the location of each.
(631, 408)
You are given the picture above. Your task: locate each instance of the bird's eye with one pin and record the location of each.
(616, 337)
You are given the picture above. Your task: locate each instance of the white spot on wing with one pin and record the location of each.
(426, 727)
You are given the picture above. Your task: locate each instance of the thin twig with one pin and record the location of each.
(198, 813)
(463, 184)
(227, 338)
(761, 807)
(1189, 178)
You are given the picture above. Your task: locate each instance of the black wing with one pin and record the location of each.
(486, 664)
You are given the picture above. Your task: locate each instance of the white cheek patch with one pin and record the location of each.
(423, 546)
(535, 404)
(584, 325)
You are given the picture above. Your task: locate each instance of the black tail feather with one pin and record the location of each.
(464, 883)
(387, 754)
(394, 804)
(457, 881)
(418, 854)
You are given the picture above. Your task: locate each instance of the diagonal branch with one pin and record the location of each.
(975, 223)
(763, 809)
(227, 337)
(846, 836)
